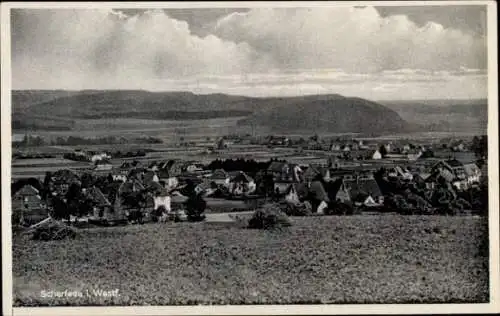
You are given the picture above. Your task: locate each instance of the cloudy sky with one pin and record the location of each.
(373, 52)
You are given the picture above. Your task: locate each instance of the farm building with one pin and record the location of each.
(400, 173)
(453, 171)
(377, 155)
(473, 173)
(162, 199)
(62, 179)
(314, 171)
(364, 192)
(102, 206)
(296, 193)
(220, 177)
(27, 206)
(240, 183)
(285, 172)
(318, 197)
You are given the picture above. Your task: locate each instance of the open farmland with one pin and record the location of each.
(357, 259)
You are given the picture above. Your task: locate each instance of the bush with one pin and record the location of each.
(53, 231)
(195, 207)
(269, 217)
(339, 208)
(302, 209)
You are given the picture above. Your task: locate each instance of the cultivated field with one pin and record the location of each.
(356, 259)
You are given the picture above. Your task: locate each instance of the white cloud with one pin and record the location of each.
(354, 39)
(350, 51)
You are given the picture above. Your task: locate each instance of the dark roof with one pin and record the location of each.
(219, 174)
(130, 186)
(318, 191)
(241, 177)
(28, 189)
(149, 176)
(98, 197)
(277, 166)
(454, 163)
(65, 176)
(368, 186)
(301, 189)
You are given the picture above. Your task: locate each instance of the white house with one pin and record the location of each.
(163, 200)
(377, 155)
(100, 156)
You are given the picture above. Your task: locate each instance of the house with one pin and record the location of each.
(62, 179)
(192, 167)
(296, 193)
(240, 183)
(284, 174)
(102, 208)
(339, 173)
(363, 192)
(453, 171)
(314, 171)
(119, 177)
(125, 167)
(284, 171)
(162, 199)
(318, 197)
(414, 154)
(137, 173)
(377, 155)
(101, 156)
(335, 147)
(154, 166)
(220, 177)
(103, 164)
(400, 173)
(150, 176)
(473, 173)
(27, 206)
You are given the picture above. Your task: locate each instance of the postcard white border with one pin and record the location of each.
(494, 219)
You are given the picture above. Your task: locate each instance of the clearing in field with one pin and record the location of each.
(354, 259)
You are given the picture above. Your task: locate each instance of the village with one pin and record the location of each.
(346, 176)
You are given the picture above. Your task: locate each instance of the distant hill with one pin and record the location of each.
(328, 113)
(132, 104)
(443, 115)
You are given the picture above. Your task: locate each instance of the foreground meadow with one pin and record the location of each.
(357, 259)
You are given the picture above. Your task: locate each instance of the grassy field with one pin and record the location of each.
(358, 259)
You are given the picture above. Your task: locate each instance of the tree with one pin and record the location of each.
(382, 150)
(195, 207)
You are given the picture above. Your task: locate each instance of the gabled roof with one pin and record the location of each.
(454, 163)
(220, 174)
(154, 186)
(300, 188)
(368, 186)
(149, 176)
(28, 189)
(277, 166)
(471, 169)
(318, 191)
(130, 186)
(65, 176)
(98, 197)
(241, 177)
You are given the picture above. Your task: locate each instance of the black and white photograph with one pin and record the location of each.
(243, 155)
